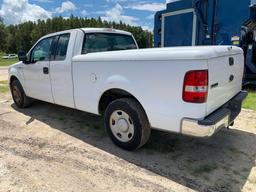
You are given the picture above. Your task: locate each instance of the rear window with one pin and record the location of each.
(99, 42)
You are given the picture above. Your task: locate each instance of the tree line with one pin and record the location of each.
(23, 36)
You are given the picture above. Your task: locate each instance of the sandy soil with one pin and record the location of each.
(52, 148)
(3, 73)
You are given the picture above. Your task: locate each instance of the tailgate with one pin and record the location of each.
(225, 79)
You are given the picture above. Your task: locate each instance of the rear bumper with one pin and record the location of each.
(221, 118)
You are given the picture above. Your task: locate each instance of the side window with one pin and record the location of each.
(41, 51)
(62, 47)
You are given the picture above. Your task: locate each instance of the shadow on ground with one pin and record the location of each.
(222, 163)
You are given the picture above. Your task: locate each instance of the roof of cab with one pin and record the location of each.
(107, 30)
(91, 30)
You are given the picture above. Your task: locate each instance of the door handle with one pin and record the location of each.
(231, 61)
(46, 70)
(231, 78)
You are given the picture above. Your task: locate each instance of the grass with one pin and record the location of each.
(3, 82)
(4, 88)
(250, 102)
(7, 62)
(92, 123)
(165, 146)
(205, 168)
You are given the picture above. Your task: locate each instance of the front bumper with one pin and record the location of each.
(221, 118)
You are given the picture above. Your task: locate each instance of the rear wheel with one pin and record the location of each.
(127, 124)
(19, 96)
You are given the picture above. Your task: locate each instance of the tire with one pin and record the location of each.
(18, 95)
(127, 124)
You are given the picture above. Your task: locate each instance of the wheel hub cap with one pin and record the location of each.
(123, 125)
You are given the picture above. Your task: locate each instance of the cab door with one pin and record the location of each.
(61, 69)
(36, 73)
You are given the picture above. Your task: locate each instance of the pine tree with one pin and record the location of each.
(2, 35)
(22, 36)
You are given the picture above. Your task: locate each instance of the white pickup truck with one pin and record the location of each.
(194, 91)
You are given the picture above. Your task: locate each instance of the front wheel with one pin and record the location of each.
(127, 124)
(18, 95)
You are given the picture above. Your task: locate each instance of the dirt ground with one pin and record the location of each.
(3, 73)
(52, 148)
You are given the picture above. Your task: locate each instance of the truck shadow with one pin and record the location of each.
(221, 163)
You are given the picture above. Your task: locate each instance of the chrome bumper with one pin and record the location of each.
(192, 128)
(221, 118)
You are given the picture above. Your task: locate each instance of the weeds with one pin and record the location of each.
(4, 87)
(205, 168)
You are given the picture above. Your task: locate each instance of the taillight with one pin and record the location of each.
(195, 88)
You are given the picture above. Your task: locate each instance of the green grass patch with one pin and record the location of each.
(250, 101)
(4, 88)
(205, 168)
(7, 62)
(3, 82)
(169, 145)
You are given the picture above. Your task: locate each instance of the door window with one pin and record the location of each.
(41, 51)
(62, 46)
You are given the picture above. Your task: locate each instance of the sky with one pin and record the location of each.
(133, 12)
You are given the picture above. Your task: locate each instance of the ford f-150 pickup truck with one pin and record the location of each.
(194, 91)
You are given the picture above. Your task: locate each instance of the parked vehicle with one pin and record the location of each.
(194, 91)
(10, 56)
(210, 22)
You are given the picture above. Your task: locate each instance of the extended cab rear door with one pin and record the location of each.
(61, 69)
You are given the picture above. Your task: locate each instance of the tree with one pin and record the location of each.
(2, 35)
(22, 36)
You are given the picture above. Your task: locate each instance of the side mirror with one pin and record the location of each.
(22, 55)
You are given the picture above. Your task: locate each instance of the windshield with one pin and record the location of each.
(99, 42)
